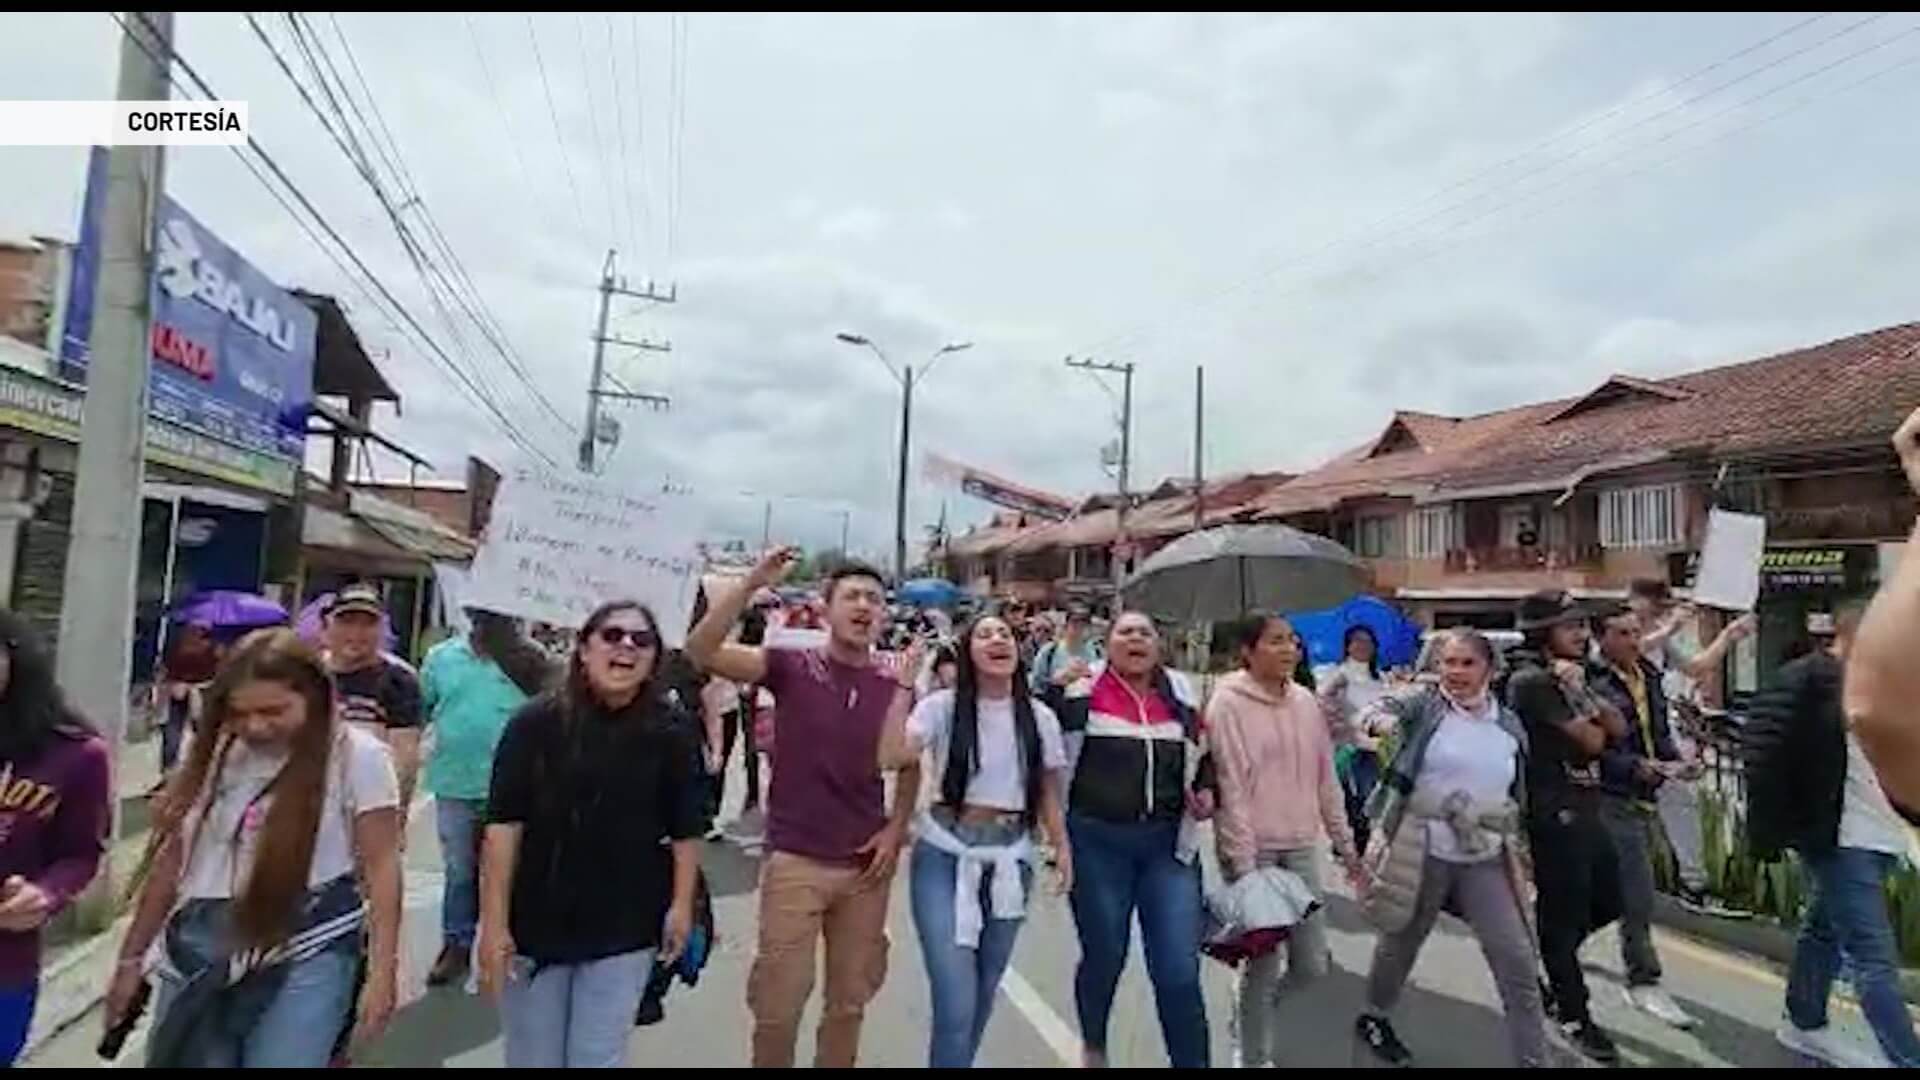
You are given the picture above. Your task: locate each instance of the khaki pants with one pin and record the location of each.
(800, 901)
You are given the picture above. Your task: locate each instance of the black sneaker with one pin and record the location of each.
(1380, 1038)
(1594, 1042)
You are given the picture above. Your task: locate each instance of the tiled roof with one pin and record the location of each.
(1852, 391)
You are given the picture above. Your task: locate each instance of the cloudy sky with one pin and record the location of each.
(1337, 215)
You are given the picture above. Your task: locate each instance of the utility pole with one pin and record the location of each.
(846, 523)
(900, 479)
(96, 618)
(766, 527)
(1199, 446)
(609, 288)
(1121, 543)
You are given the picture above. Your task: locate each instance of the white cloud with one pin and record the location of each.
(1052, 184)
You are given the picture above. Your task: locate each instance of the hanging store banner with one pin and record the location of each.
(230, 352)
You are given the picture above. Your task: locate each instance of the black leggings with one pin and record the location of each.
(737, 726)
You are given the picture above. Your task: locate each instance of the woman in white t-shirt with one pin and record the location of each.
(271, 893)
(1348, 691)
(1002, 764)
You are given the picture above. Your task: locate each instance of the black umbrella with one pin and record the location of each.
(1226, 571)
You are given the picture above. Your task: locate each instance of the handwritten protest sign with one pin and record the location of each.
(560, 545)
(1729, 574)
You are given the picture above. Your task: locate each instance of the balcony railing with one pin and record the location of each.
(1537, 557)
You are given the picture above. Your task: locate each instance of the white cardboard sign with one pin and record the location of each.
(1729, 575)
(559, 545)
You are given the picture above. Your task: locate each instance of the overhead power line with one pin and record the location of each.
(368, 282)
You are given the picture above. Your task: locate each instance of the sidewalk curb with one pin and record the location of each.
(1759, 936)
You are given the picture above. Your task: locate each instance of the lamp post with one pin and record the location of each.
(905, 377)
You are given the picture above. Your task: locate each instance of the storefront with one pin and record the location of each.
(1800, 588)
(230, 359)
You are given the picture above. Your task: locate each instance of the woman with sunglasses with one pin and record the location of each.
(1001, 759)
(588, 783)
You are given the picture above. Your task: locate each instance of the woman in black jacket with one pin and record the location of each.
(587, 783)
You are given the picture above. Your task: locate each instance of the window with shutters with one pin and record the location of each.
(1642, 517)
(1377, 537)
(1433, 531)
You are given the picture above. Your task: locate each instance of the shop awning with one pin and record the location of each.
(382, 535)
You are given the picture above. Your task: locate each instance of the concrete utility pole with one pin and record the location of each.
(609, 287)
(1121, 543)
(1199, 447)
(95, 662)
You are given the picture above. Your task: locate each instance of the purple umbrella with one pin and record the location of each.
(229, 611)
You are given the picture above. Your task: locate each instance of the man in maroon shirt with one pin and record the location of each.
(834, 846)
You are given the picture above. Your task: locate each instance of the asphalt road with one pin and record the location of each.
(1449, 1016)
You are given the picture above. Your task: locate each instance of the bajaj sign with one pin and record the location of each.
(231, 352)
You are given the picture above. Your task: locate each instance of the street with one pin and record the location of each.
(1448, 1017)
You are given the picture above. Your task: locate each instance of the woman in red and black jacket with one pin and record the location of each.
(1140, 782)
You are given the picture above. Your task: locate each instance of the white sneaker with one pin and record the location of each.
(1827, 1045)
(1655, 1003)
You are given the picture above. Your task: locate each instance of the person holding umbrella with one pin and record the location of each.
(1278, 795)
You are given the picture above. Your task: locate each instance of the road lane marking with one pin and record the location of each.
(1054, 1031)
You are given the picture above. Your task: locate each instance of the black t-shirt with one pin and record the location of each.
(385, 694)
(1556, 765)
(595, 798)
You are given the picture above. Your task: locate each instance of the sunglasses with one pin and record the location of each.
(639, 639)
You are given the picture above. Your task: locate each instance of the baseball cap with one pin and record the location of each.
(360, 598)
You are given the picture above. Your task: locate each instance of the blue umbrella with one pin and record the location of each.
(929, 592)
(1325, 631)
(229, 611)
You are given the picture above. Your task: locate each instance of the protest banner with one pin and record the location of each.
(561, 544)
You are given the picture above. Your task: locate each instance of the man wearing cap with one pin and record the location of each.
(1575, 868)
(375, 690)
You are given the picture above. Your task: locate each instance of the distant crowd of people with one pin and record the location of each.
(1525, 793)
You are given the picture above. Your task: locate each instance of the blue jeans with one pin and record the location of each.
(1849, 915)
(1118, 870)
(298, 1030)
(16, 1016)
(460, 822)
(573, 1016)
(963, 980)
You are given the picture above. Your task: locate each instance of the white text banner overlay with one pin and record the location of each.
(123, 123)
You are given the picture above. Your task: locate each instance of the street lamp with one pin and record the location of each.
(905, 377)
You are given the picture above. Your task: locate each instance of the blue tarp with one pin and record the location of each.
(929, 592)
(1325, 631)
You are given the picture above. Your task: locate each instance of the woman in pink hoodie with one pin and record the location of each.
(1278, 798)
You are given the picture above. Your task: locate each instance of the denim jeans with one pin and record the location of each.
(1631, 827)
(1118, 870)
(963, 981)
(460, 822)
(573, 1016)
(299, 1028)
(1849, 915)
(16, 1016)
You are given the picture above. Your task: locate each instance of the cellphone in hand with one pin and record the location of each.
(116, 1036)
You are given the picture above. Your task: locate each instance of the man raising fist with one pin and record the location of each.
(833, 844)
